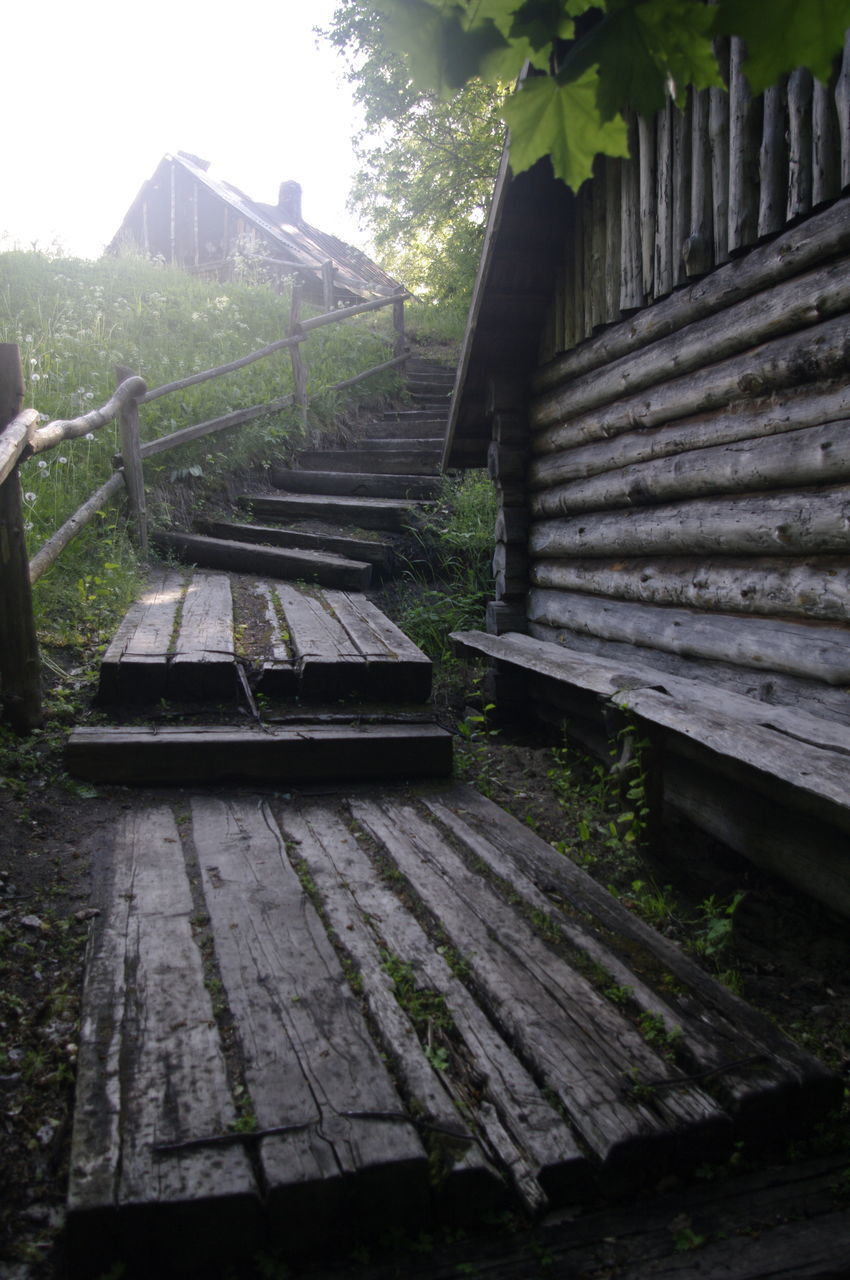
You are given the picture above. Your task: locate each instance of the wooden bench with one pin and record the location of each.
(753, 751)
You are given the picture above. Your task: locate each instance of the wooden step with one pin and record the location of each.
(277, 562)
(551, 1047)
(304, 753)
(419, 445)
(146, 662)
(416, 415)
(343, 644)
(399, 459)
(427, 430)
(378, 554)
(363, 513)
(354, 483)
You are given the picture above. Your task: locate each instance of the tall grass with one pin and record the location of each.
(76, 320)
(449, 584)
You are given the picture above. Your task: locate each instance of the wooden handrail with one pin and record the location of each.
(53, 433)
(15, 440)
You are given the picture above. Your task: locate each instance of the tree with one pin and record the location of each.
(428, 161)
(594, 59)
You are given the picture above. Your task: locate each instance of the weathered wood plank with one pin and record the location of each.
(773, 161)
(308, 1057)
(356, 482)
(810, 1087)
(470, 1184)
(819, 650)
(367, 513)
(278, 675)
(151, 1069)
(809, 589)
(524, 1132)
(789, 523)
(580, 1046)
(215, 553)
(134, 667)
(374, 552)
(301, 753)
(785, 308)
(203, 665)
(395, 666)
(329, 662)
(800, 84)
(397, 459)
(712, 1044)
(814, 455)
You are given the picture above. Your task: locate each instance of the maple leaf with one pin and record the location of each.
(793, 33)
(678, 36)
(562, 121)
(541, 21)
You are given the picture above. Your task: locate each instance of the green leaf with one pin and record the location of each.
(629, 74)
(791, 33)
(540, 22)
(678, 36)
(562, 120)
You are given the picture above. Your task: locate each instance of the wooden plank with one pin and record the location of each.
(311, 566)
(808, 753)
(712, 1043)
(151, 1069)
(367, 513)
(352, 900)
(582, 1047)
(508, 1110)
(308, 1056)
(813, 1088)
(134, 667)
(203, 665)
(329, 662)
(345, 482)
(278, 675)
(395, 667)
(302, 753)
(371, 551)
(364, 457)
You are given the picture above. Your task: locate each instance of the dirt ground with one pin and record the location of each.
(787, 956)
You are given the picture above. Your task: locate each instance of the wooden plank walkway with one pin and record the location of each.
(380, 1008)
(179, 641)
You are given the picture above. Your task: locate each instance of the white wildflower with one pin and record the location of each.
(89, 435)
(42, 464)
(63, 459)
(29, 496)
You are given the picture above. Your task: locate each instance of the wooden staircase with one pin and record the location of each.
(338, 512)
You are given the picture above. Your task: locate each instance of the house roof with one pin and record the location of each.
(297, 240)
(516, 280)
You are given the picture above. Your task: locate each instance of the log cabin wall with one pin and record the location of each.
(687, 492)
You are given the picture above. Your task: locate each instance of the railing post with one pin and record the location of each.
(399, 344)
(20, 665)
(131, 455)
(299, 369)
(328, 285)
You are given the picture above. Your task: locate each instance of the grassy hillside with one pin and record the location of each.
(75, 321)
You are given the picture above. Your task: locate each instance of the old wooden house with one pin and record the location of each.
(656, 374)
(210, 228)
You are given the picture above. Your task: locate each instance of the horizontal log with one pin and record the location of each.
(367, 373)
(816, 354)
(53, 433)
(15, 439)
(815, 455)
(797, 408)
(502, 617)
(820, 238)
(52, 549)
(814, 589)
(773, 688)
(784, 308)
(512, 525)
(212, 425)
(792, 524)
(818, 650)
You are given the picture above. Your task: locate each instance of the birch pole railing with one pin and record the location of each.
(22, 438)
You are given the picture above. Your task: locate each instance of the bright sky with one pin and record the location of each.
(97, 91)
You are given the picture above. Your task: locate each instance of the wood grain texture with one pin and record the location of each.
(309, 1059)
(151, 1069)
(203, 665)
(134, 667)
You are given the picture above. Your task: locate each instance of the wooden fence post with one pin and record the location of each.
(132, 458)
(299, 369)
(328, 285)
(20, 665)
(398, 324)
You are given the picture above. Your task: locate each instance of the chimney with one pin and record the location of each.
(289, 202)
